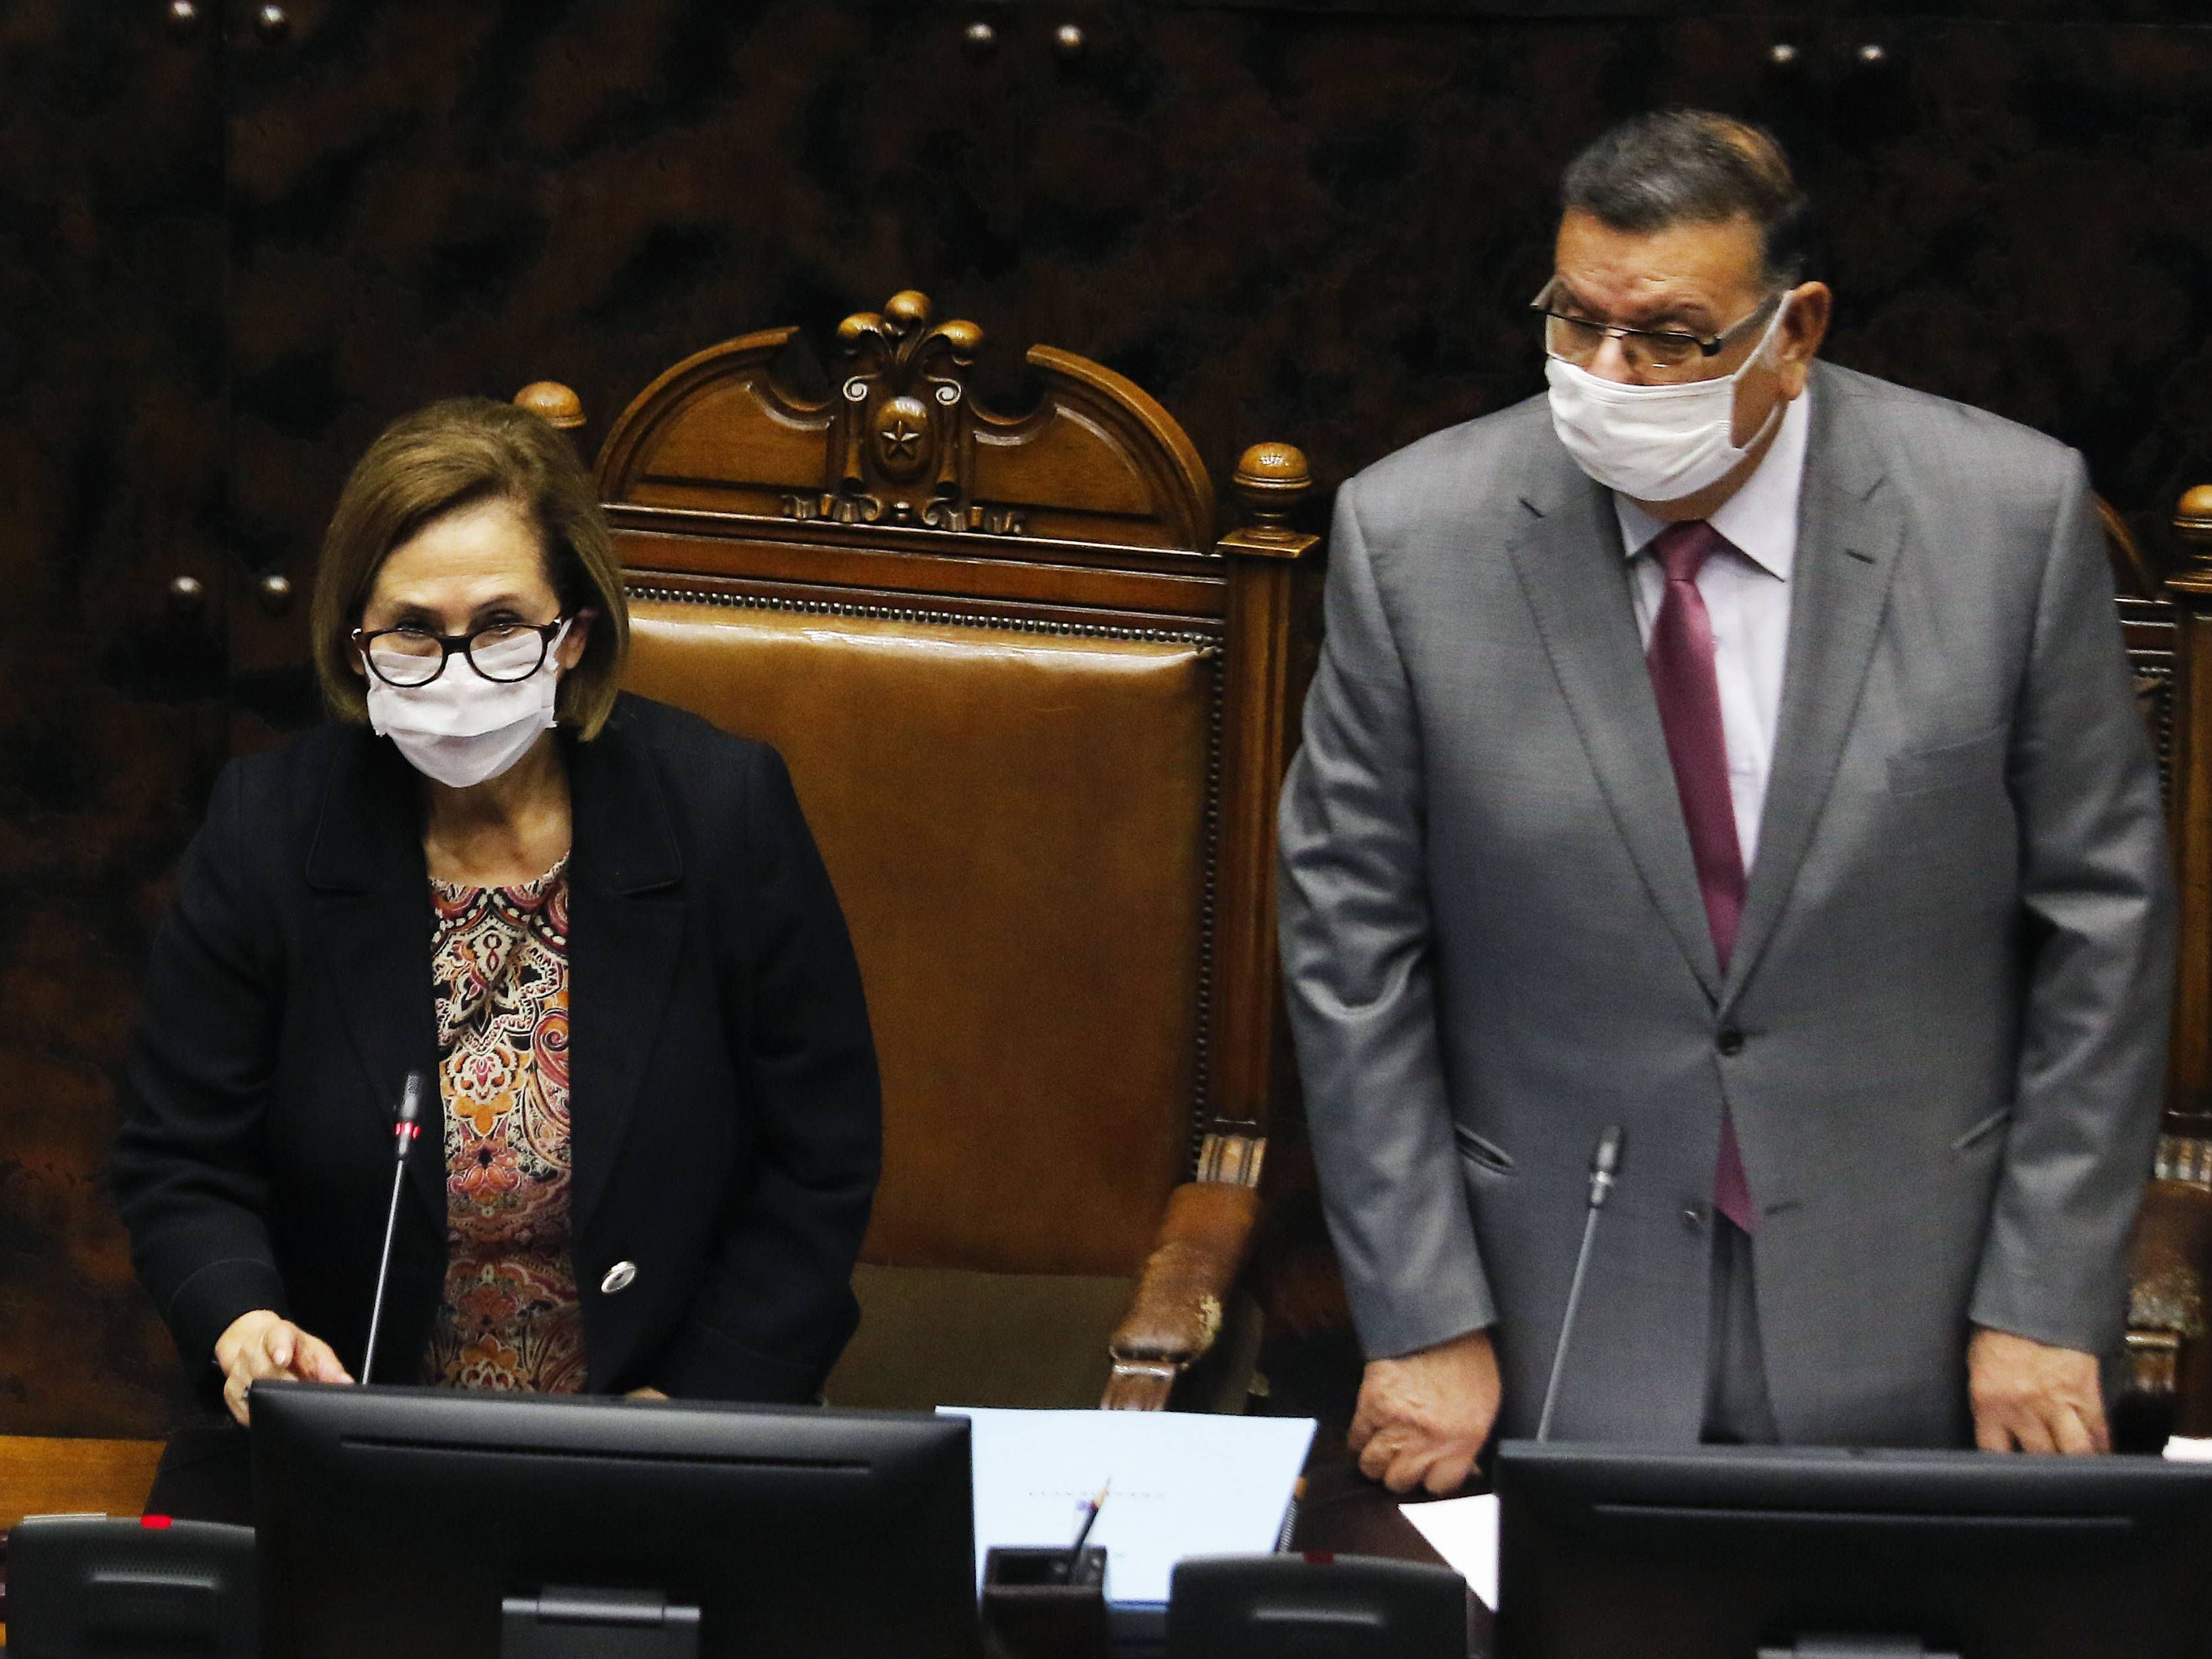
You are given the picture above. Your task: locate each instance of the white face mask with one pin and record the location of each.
(463, 729)
(1654, 443)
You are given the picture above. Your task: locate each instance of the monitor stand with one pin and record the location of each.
(563, 1622)
(1855, 1647)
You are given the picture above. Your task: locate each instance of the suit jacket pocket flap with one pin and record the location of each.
(1488, 1153)
(1948, 765)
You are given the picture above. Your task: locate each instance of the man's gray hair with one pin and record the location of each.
(1678, 166)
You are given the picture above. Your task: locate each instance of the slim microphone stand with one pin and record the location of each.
(1605, 1169)
(404, 1134)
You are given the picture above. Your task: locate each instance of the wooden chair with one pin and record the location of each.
(2169, 635)
(1037, 714)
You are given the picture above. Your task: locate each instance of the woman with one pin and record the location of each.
(598, 924)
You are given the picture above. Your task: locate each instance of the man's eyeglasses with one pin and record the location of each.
(503, 652)
(1577, 340)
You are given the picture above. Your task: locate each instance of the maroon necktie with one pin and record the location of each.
(1683, 677)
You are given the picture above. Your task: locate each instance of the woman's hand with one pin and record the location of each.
(263, 1344)
(646, 1394)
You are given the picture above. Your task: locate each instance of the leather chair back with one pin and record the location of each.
(1017, 824)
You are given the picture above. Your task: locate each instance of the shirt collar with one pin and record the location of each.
(1760, 519)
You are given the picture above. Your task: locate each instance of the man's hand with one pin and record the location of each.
(262, 1344)
(1423, 1416)
(2031, 1397)
(645, 1393)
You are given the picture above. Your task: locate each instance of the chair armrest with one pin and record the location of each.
(2165, 1303)
(1204, 1243)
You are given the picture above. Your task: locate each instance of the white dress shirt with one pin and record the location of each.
(1746, 592)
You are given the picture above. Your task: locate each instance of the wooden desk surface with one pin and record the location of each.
(42, 1476)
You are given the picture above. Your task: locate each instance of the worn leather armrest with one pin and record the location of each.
(2167, 1301)
(1204, 1243)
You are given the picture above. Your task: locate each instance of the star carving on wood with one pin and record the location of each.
(905, 433)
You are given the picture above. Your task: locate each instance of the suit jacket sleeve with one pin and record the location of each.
(2096, 887)
(777, 1307)
(187, 1168)
(1358, 971)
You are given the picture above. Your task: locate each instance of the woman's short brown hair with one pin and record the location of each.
(455, 454)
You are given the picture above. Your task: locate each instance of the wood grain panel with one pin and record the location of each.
(45, 1475)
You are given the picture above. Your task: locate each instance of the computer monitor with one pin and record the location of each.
(430, 1523)
(1746, 1553)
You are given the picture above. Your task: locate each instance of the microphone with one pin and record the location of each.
(404, 1134)
(1605, 1169)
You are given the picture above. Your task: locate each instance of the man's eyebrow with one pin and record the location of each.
(1685, 315)
(1676, 314)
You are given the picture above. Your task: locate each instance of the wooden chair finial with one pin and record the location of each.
(1272, 478)
(560, 407)
(2192, 522)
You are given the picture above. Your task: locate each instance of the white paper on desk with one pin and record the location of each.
(2189, 1451)
(1464, 1531)
(1184, 1484)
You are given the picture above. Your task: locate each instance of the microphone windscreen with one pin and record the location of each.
(1610, 1145)
(410, 1098)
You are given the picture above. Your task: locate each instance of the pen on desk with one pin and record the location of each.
(1290, 1516)
(1083, 1532)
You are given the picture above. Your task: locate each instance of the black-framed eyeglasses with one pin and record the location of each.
(408, 656)
(1577, 340)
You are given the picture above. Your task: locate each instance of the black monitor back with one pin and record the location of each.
(90, 1587)
(396, 1521)
(1315, 1606)
(1696, 1553)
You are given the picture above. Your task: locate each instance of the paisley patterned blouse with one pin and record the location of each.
(510, 1317)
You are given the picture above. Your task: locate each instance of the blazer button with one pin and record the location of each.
(1730, 1041)
(1693, 1217)
(618, 1277)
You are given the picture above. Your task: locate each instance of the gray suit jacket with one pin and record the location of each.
(1942, 1032)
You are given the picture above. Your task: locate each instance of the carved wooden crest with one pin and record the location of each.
(902, 439)
(901, 445)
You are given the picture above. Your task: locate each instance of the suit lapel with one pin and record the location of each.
(1571, 562)
(372, 901)
(626, 921)
(1848, 528)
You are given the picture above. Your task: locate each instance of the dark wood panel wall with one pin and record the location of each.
(234, 247)
(112, 701)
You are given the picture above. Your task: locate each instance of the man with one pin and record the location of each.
(1738, 750)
